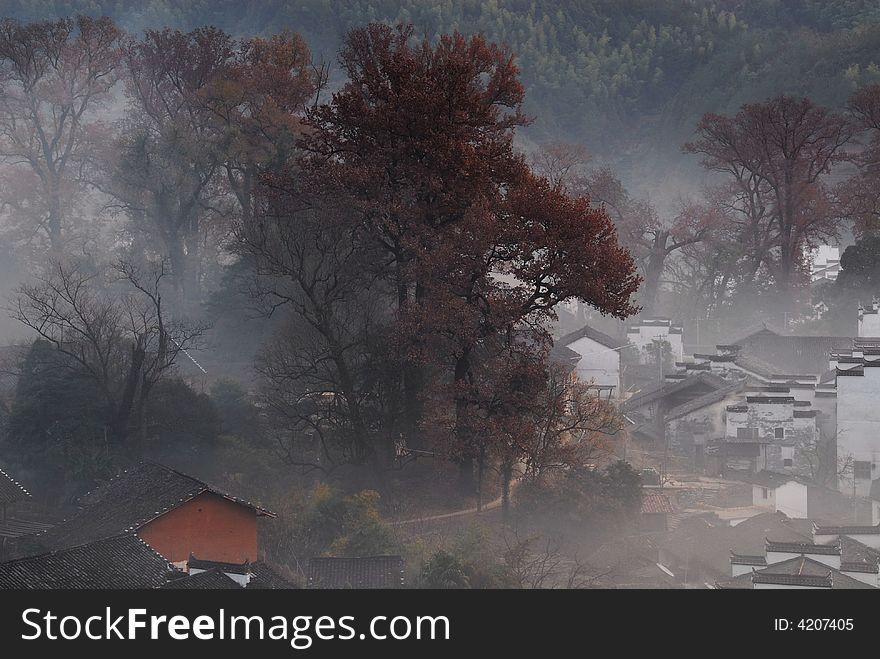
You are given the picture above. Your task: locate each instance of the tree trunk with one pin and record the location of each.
(119, 424)
(463, 432)
(412, 378)
(177, 257)
(413, 381)
(55, 219)
(138, 435)
(506, 478)
(653, 272)
(193, 275)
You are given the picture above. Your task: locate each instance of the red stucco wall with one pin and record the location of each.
(208, 526)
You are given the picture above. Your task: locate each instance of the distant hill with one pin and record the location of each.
(629, 78)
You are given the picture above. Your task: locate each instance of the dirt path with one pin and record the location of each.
(496, 503)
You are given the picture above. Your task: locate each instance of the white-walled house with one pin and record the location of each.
(599, 361)
(643, 334)
(869, 320)
(647, 409)
(690, 428)
(780, 494)
(842, 564)
(858, 415)
(875, 502)
(825, 263)
(782, 424)
(867, 535)
(800, 498)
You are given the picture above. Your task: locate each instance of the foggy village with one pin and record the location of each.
(440, 294)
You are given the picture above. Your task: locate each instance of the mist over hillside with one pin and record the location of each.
(627, 78)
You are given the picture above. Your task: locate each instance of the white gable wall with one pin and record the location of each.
(858, 425)
(764, 497)
(643, 337)
(870, 539)
(598, 364)
(869, 578)
(869, 323)
(791, 499)
(736, 569)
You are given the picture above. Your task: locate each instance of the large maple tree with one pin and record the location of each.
(474, 246)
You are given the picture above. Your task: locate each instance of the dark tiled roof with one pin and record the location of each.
(742, 582)
(754, 365)
(853, 552)
(792, 354)
(704, 400)
(261, 575)
(656, 503)
(758, 329)
(714, 358)
(770, 479)
(560, 354)
(232, 568)
(745, 559)
(10, 489)
(12, 527)
(803, 548)
(804, 571)
(803, 580)
(711, 546)
(847, 530)
(121, 562)
(368, 572)
(662, 389)
(129, 501)
(264, 577)
(649, 430)
(213, 579)
(594, 334)
(691, 366)
(859, 567)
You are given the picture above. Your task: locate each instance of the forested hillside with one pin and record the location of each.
(612, 74)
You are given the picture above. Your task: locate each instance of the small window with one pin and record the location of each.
(787, 462)
(764, 492)
(779, 433)
(746, 433)
(861, 469)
